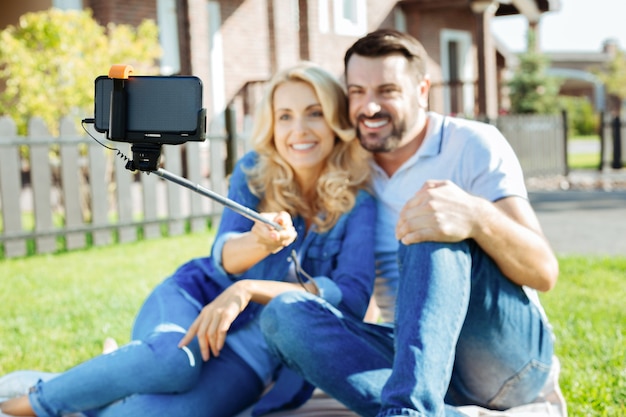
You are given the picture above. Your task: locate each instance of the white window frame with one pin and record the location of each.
(167, 21)
(323, 16)
(466, 70)
(343, 26)
(216, 54)
(295, 6)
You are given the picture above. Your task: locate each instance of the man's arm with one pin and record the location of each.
(508, 230)
(512, 237)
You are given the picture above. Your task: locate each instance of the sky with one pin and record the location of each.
(580, 25)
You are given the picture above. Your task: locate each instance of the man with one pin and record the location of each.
(458, 245)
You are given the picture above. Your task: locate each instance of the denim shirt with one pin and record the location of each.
(341, 259)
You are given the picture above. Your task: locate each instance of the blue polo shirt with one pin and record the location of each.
(475, 156)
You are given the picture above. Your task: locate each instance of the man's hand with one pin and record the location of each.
(215, 319)
(507, 230)
(439, 212)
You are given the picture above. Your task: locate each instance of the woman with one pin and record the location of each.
(308, 174)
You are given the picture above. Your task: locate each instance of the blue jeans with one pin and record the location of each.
(464, 334)
(151, 376)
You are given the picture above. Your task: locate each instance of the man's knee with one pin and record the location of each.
(285, 320)
(434, 255)
(428, 248)
(283, 312)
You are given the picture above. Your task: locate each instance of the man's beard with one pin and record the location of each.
(375, 143)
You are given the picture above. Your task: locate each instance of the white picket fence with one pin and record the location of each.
(74, 192)
(74, 188)
(539, 142)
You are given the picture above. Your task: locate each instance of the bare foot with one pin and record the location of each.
(19, 406)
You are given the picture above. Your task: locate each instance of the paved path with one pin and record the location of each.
(583, 222)
(584, 146)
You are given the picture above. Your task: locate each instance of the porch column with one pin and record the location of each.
(487, 92)
(533, 30)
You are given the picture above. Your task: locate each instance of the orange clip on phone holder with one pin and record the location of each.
(117, 128)
(120, 71)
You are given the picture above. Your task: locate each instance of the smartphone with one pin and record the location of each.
(159, 109)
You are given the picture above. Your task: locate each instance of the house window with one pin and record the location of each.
(399, 19)
(350, 17)
(68, 4)
(454, 81)
(168, 36)
(457, 72)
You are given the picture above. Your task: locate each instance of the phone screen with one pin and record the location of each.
(154, 104)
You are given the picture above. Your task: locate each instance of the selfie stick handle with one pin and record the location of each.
(243, 210)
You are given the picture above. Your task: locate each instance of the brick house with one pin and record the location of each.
(235, 45)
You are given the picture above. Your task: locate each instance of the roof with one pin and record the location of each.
(578, 56)
(532, 9)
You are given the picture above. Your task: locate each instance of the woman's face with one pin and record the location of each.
(301, 134)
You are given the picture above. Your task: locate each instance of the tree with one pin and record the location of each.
(532, 90)
(614, 77)
(49, 61)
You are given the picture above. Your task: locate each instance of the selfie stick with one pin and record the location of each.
(147, 159)
(243, 210)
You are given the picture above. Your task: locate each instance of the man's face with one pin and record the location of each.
(387, 104)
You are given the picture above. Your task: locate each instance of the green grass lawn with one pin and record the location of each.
(584, 160)
(58, 309)
(587, 312)
(580, 161)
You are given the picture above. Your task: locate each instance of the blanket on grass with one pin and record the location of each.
(549, 403)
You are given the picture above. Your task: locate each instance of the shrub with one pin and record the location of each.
(49, 60)
(582, 120)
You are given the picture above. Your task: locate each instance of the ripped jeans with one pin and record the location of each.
(151, 376)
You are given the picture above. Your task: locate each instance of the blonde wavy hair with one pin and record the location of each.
(272, 178)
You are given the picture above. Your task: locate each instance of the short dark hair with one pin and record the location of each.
(386, 42)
